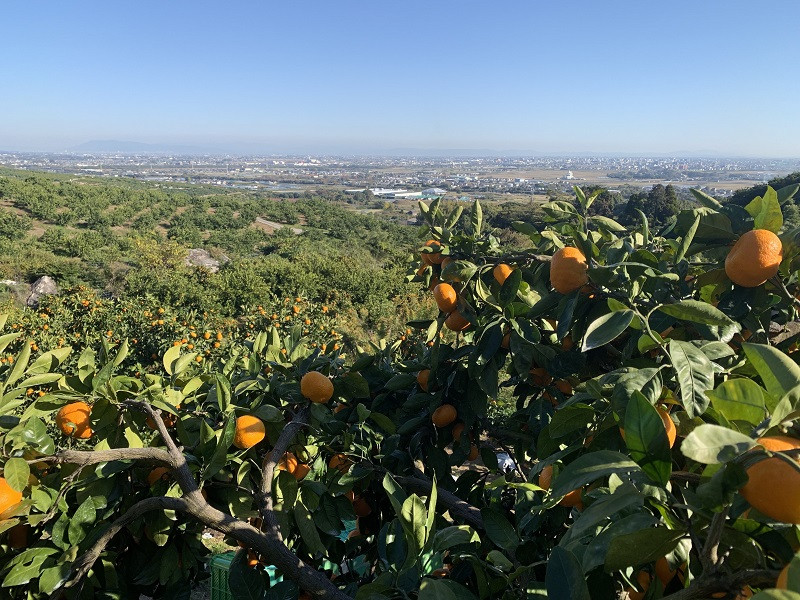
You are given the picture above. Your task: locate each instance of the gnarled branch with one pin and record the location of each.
(271, 461)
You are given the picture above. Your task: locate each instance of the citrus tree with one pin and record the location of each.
(652, 450)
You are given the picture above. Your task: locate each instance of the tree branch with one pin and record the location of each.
(459, 509)
(93, 457)
(270, 462)
(706, 585)
(709, 557)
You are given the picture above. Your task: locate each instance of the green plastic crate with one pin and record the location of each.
(220, 566)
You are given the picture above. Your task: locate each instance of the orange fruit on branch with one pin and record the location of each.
(446, 297)
(444, 415)
(458, 430)
(435, 257)
(568, 270)
(473, 452)
(73, 420)
(9, 497)
(754, 258)
(157, 474)
(340, 462)
(316, 387)
(249, 432)
(501, 273)
(455, 321)
(571, 499)
(422, 379)
(773, 487)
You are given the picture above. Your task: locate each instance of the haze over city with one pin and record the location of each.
(519, 78)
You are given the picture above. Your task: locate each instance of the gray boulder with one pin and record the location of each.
(41, 287)
(198, 257)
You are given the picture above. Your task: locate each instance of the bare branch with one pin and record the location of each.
(157, 421)
(685, 476)
(93, 457)
(270, 462)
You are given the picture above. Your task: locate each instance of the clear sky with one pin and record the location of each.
(553, 76)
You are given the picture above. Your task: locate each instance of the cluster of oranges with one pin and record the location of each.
(447, 415)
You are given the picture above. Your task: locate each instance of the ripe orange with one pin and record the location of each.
(455, 321)
(422, 379)
(506, 341)
(444, 572)
(643, 579)
(435, 258)
(73, 420)
(340, 462)
(458, 430)
(301, 471)
(568, 270)
(774, 485)
(473, 452)
(249, 432)
(446, 298)
(156, 474)
(540, 377)
(9, 497)
(288, 462)
(316, 387)
(501, 273)
(754, 258)
(571, 499)
(444, 415)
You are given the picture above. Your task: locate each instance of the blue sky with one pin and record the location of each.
(549, 76)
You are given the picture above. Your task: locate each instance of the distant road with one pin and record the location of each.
(274, 225)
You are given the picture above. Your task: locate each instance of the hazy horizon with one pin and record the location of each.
(632, 79)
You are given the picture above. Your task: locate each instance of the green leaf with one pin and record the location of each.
(20, 364)
(476, 218)
(455, 535)
(776, 595)
(16, 471)
(647, 440)
(81, 521)
(308, 529)
(706, 200)
(695, 375)
(608, 224)
(509, 289)
(739, 400)
(220, 457)
(697, 312)
(499, 530)
(641, 547)
(170, 356)
(624, 497)
(766, 211)
(443, 589)
(569, 419)
(244, 582)
(686, 242)
(606, 329)
(713, 444)
(778, 372)
(590, 467)
(222, 391)
(413, 516)
(564, 577)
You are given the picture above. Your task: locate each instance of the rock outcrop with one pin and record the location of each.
(201, 258)
(43, 286)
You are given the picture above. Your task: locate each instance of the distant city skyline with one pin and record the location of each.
(625, 78)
